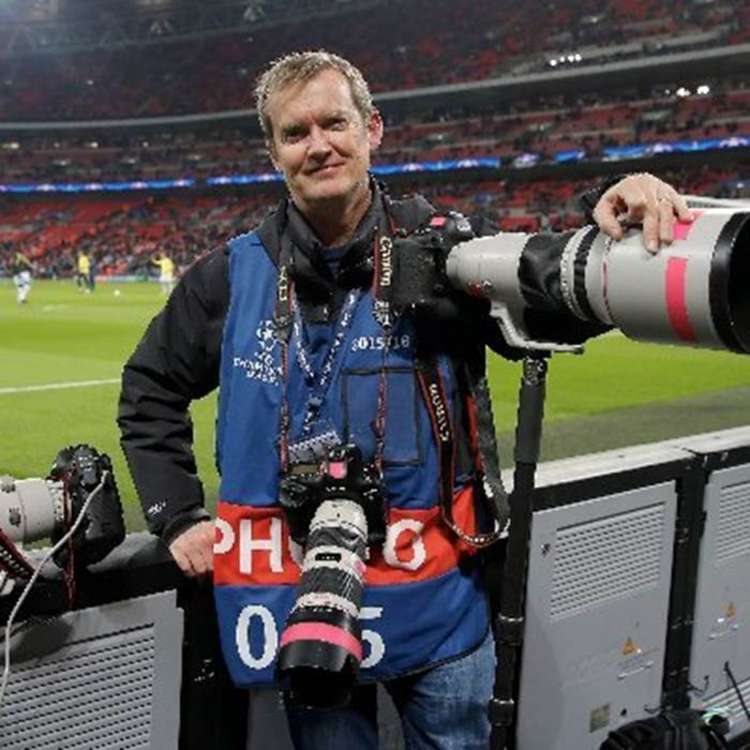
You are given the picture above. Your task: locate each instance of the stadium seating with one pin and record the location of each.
(122, 234)
(546, 127)
(397, 45)
(427, 41)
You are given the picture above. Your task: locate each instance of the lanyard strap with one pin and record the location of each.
(319, 383)
(288, 321)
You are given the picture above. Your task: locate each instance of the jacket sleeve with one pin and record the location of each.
(588, 200)
(176, 361)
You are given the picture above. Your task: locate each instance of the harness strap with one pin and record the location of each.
(484, 447)
(11, 560)
(433, 392)
(283, 321)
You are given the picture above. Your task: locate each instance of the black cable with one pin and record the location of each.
(728, 670)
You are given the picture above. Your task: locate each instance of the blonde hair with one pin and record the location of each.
(299, 67)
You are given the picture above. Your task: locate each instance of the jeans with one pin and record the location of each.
(443, 708)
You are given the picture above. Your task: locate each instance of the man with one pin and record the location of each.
(83, 272)
(306, 354)
(166, 273)
(92, 273)
(21, 268)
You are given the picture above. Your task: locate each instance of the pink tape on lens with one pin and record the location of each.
(320, 631)
(676, 298)
(682, 229)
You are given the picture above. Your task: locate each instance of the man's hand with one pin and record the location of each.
(642, 199)
(193, 550)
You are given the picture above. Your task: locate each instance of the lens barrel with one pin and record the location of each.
(694, 292)
(321, 647)
(30, 509)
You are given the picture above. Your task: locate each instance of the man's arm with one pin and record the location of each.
(176, 361)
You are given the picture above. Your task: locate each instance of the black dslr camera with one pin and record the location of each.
(81, 468)
(419, 261)
(81, 481)
(335, 509)
(341, 475)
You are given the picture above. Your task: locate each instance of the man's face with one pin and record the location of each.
(320, 142)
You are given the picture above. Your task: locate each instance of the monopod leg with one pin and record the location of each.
(508, 623)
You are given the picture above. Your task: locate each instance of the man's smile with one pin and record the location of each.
(325, 169)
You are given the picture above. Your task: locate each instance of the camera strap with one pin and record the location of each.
(383, 281)
(11, 559)
(433, 393)
(283, 321)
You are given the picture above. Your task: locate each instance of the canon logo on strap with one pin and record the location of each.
(441, 415)
(386, 264)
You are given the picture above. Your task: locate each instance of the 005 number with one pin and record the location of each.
(257, 616)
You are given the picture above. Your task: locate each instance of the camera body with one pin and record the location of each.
(35, 509)
(341, 474)
(335, 508)
(421, 282)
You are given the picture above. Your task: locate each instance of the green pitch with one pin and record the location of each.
(619, 393)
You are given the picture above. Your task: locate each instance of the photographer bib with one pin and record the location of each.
(351, 382)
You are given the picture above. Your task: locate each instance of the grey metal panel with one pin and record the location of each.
(592, 560)
(596, 609)
(105, 677)
(721, 633)
(593, 465)
(714, 442)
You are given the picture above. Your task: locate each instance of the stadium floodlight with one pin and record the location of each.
(254, 11)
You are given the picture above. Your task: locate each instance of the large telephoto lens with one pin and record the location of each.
(321, 649)
(694, 292)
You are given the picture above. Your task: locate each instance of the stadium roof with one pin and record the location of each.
(32, 27)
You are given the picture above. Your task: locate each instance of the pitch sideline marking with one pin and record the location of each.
(57, 386)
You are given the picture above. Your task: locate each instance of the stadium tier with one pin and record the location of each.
(206, 173)
(549, 128)
(398, 45)
(123, 233)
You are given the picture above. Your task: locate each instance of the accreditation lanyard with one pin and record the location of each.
(318, 383)
(288, 321)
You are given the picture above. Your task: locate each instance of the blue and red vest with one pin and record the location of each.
(423, 600)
